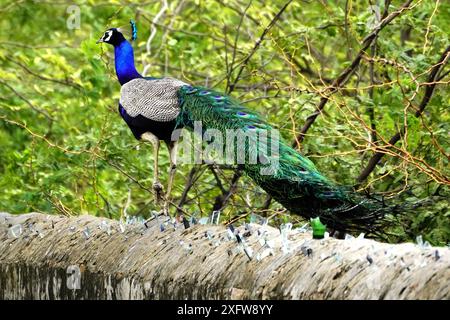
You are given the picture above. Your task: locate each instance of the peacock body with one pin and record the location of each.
(159, 106)
(148, 104)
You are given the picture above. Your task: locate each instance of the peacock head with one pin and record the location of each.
(112, 36)
(115, 36)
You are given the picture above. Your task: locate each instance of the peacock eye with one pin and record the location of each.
(107, 36)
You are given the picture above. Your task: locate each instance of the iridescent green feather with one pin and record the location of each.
(296, 184)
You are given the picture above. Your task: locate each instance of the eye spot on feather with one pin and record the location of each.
(218, 98)
(241, 114)
(204, 93)
(250, 127)
(190, 90)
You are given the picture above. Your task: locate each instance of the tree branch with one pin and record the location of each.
(345, 74)
(28, 102)
(65, 82)
(425, 100)
(257, 44)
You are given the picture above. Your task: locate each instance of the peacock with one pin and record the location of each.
(153, 108)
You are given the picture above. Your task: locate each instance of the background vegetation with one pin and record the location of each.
(64, 148)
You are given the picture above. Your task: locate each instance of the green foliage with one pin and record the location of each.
(64, 148)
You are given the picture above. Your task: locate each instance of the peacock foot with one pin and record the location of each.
(165, 209)
(158, 189)
(156, 215)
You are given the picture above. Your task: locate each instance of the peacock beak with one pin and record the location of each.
(99, 40)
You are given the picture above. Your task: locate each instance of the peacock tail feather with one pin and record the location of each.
(295, 183)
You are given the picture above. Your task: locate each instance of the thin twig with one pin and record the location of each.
(32, 106)
(256, 46)
(425, 100)
(347, 72)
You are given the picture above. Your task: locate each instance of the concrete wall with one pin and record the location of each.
(55, 257)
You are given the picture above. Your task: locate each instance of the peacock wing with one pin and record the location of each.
(215, 110)
(154, 99)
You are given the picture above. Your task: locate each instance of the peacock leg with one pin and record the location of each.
(157, 186)
(173, 147)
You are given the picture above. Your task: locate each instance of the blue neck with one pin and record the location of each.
(124, 61)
